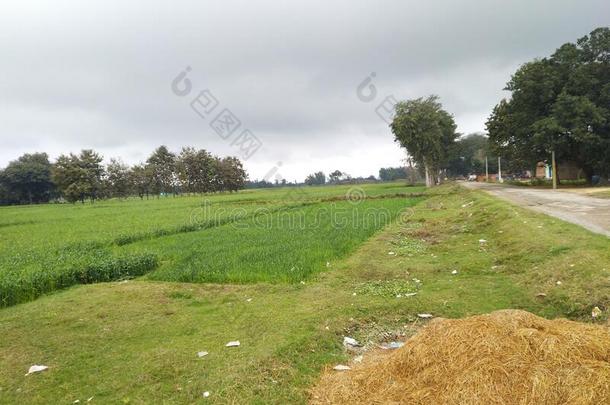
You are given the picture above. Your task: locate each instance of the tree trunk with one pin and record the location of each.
(429, 176)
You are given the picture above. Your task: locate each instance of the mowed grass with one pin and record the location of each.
(50, 247)
(137, 342)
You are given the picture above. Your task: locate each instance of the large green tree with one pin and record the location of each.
(195, 170)
(28, 179)
(233, 176)
(140, 179)
(118, 179)
(162, 166)
(79, 177)
(427, 132)
(559, 103)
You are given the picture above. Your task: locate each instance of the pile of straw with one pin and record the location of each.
(506, 357)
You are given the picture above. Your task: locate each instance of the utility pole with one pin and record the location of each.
(554, 170)
(499, 170)
(486, 170)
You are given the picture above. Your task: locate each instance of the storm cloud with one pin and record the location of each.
(98, 75)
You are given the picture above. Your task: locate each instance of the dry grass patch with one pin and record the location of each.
(506, 357)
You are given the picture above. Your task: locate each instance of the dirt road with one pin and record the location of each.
(588, 212)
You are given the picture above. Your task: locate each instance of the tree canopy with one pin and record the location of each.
(27, 179)
(559, 103)
(426, 131)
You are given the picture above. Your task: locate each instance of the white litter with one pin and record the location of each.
(348, 341)
(206, 394)
(234, 343)
(596, 312)
(249, 300)
(398, 295)
(89, 399)
(391, 345)
(425, 316)
(202, 354)
(391, 253)
(36, 369)
(558, 282)
(341, 367)
(454, 272)
(410, 294)
(482, 241)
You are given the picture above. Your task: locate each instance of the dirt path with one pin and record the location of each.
(589, 212)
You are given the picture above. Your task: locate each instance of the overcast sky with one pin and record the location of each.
(85, 74)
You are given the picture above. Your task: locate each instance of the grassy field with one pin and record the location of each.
(46, 248)
(461, 251)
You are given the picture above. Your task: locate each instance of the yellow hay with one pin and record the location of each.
(506, 357)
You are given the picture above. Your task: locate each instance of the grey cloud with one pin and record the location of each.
(97, 74)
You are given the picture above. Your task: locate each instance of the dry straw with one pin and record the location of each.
(506, 357)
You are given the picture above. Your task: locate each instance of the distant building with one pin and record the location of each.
(544, 171)
(566, 171)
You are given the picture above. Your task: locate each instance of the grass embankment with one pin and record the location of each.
(136, 342)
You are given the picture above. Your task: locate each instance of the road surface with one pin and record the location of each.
(589, 212)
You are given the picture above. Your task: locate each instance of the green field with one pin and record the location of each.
(288, 294)
(263, 235)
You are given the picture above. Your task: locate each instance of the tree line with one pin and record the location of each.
(33, 178)
(559, 105)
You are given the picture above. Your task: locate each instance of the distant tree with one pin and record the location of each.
(28, 179)
(426, 131)
(233, 176)
(467, 156)
(392, 173)
(187, 169)
(33, 179)
(5, 198)
(79, 176)
(118, 178)
(91, 163)
(258, 184)
(140, 179)
(195, 170)
(335, 176)
(317, 178)
(559, 103)
(162, 166)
